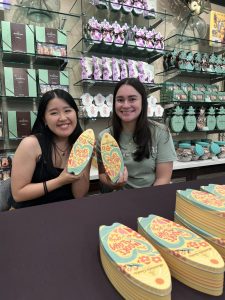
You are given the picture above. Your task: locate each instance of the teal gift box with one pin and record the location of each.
(20, 82)
(20, 123)
(53, 79)
(17, 37)
(196, 96)
(50, 41)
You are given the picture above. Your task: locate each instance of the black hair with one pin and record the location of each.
(39, 127)
(142, 134)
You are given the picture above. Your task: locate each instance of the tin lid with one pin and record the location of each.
(198, 149)
(214, 148)
(203, 144)
(220, 143)
(184, 145)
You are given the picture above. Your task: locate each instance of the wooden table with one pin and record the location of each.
(50, 252)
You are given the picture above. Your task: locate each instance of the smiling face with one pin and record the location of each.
(60, 117)
(128, 104)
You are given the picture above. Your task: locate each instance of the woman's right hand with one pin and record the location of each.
(66, 178)
(121, 181)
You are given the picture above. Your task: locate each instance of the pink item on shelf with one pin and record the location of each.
(116, 4)
(132, 68)
(104, 111)
(149, 10)
(107, 32)
(92, 111)
(123, 69)
(159, 43)
(115, 69)
(142, 70)
(138, 7)
(150, 40)
(140, 38)
(118, 31)
(127, 6)
(94, 30)
(86, 68)
(97, 64)
(107, 68)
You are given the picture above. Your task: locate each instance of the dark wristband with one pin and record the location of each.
(45, 187)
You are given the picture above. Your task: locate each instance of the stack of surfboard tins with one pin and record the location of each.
(203, 210)
(81, 152)
(133, 265)
(217, 243)
(216, 189)
(111, 157)
(190, 258)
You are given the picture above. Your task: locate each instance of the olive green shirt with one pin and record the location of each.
(142, 174)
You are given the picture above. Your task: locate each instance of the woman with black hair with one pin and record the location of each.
(39, 172)
(147, 146)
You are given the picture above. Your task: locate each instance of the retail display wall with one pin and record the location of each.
(86, 48)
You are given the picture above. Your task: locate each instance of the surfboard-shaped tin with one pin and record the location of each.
(81, 152)
(111, 157)
(182, 243)
(216, 189)
(204, 200)
(216, 242)
(135, 258)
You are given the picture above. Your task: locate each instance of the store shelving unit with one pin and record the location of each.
(63, 20)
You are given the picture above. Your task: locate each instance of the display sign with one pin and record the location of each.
(217, 28)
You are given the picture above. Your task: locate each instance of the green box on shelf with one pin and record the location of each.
(173, 96)
(212, 87)
(200, 87)
(51, 79)
(186, 87)
(50, 41)
(221, 96)
(17, 37)
(20, 82)
(20, 123)
(196, 96)
(211, 96)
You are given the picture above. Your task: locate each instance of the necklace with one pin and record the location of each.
(62, 152)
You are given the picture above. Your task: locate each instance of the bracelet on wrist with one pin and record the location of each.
(45, 187)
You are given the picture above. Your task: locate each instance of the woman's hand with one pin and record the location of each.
(65, 177)
(121, 181)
